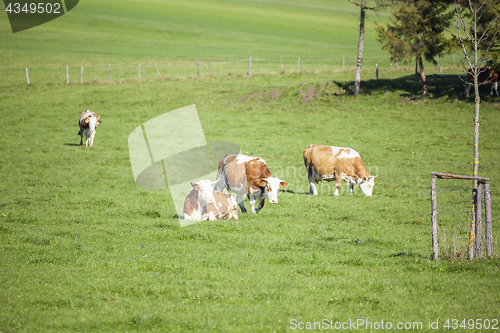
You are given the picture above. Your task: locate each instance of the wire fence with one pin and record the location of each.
(174, 68)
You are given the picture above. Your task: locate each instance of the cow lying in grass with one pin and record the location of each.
(203, 203)
(88, 124)
(329, 163)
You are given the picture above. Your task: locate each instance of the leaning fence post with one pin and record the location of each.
(298, 65)
(435, 249)
(139, 71)
(157, 71)
(478, 221)
(488, 226)
(249, 66)
(27, 76)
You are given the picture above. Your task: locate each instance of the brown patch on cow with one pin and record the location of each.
(309, 94)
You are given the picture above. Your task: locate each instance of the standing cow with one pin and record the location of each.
(329, 163)
(203, 203)
(250, 176)
(486, 74)
(88, 124)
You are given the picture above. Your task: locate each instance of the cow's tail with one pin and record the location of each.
(221, 178)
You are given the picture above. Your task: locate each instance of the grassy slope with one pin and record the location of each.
(194, 29)
(128, 266)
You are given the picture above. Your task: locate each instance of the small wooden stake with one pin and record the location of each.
(81, 76)
(488, 227)
(298, 65)
(478, 221)
(139, 71)
(27, 76)
(435, 249)
(198, 67)
(157, 71)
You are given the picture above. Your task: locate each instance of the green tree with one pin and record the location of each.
(417, 31)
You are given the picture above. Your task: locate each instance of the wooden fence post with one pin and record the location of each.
(488, 226)
(139, 71)
(478, 221)
(157, 71)
(198, 68)
(81, 76)
(376, 71)
(27, 76)
(67, 74)
(435, 249)
(249, 66)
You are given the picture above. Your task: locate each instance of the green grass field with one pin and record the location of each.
(83, 248)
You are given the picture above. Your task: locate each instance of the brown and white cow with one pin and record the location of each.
(486, 74)
(203, 203)
(250, 176)
(329, 163)
(88, 124)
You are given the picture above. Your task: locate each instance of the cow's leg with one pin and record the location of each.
(239, 200)
(261, 203)
(494, 86)
(312, 183)
(80, 133)
(351, 187)
(338, 183)
(251, 199)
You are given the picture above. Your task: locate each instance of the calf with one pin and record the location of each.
(486, 74)
(250, 176)
(88, 124)
(203, 203)
(329, 163)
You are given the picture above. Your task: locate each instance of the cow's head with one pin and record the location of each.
(205, 191)
(271, 186)
(366, 185)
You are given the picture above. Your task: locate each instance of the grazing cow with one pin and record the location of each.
(329, 163)
(88, 123)
(246, 175)
(203, 203)
(486, 74)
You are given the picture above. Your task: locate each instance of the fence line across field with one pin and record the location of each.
(188, 68)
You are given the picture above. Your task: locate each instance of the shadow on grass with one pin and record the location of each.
(410, 86)
(72, 144)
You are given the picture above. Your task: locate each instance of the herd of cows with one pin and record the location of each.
(249, 176)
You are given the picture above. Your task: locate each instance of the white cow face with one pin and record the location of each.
(272, 185)
(205, 191)
(366, 185)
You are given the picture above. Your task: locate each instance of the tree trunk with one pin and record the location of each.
(422, 75)
(357, 82)
(475, 168)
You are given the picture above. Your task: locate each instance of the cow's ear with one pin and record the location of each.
(262, 183)
(283, 184)
(98, 121)
(195, 185)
